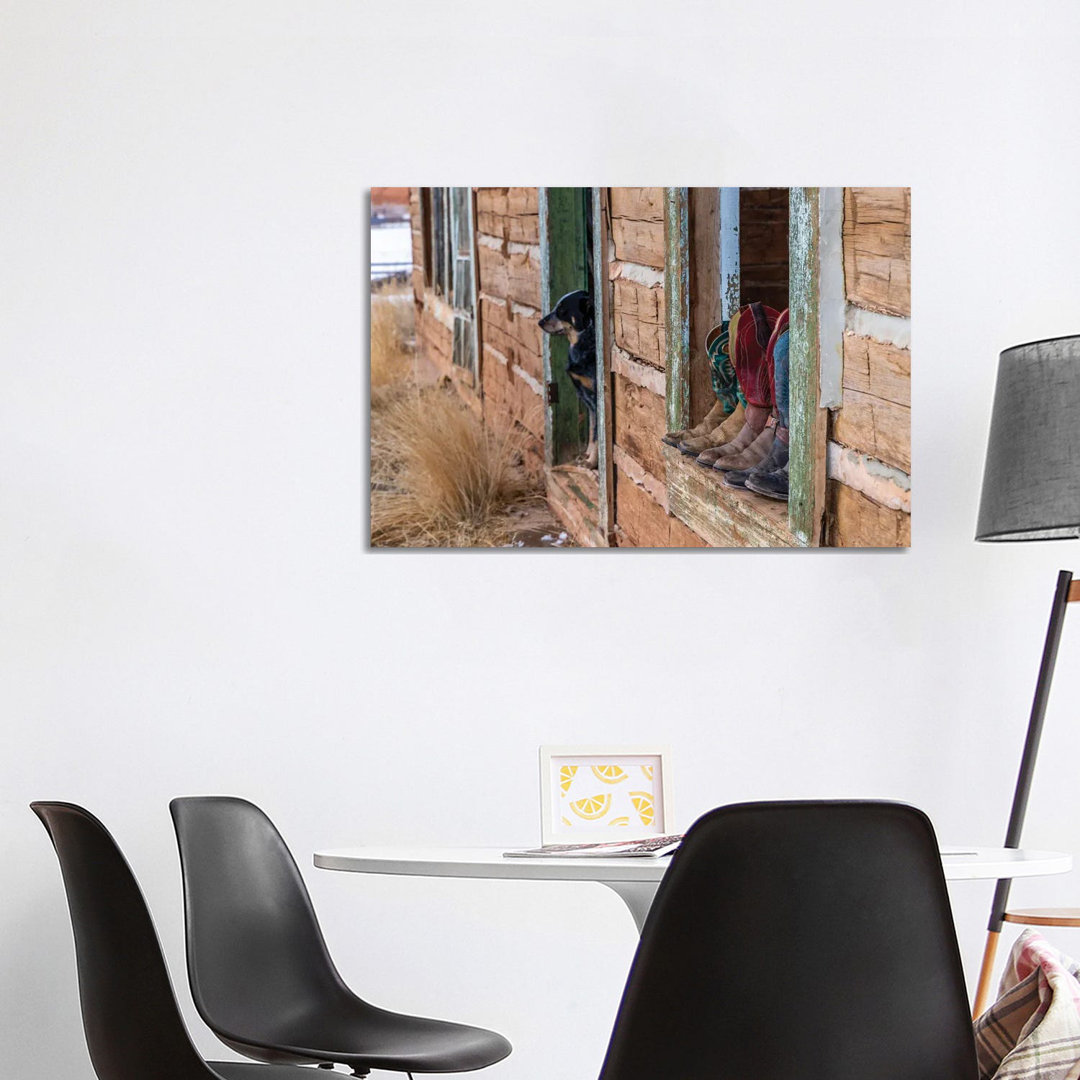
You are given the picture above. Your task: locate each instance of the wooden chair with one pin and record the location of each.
(1050, 916)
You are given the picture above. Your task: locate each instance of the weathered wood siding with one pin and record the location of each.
(870, 457)
(637, 225)
(508, 251)
(635, 261)
(643, 521)
(855, 520)
(638, 315)
(573, 494)
(877, 248)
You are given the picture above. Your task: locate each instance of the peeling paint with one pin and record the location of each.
(730, 266)
(805, 504)
(581, 494)
(677, 303)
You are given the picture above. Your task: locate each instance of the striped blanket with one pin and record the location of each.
(1032, 1031)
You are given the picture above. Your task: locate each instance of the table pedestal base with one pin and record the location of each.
(637, 896)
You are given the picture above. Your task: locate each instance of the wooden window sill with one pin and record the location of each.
(720, 515)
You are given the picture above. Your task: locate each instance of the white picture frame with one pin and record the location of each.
(586, 792)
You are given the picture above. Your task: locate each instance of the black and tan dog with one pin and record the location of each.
(573, 319)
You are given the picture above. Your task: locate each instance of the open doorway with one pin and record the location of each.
(729, 250)
(568, 246)
(575, 402)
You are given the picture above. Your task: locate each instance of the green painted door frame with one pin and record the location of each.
(564, 267)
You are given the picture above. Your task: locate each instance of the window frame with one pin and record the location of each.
(723, 516)
(444, 228)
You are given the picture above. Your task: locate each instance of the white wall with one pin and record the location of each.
(187, 605)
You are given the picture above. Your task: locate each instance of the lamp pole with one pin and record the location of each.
(1062, 595)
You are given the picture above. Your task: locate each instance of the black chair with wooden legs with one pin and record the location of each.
(133, 1026)
(798, 941)
(259, 969)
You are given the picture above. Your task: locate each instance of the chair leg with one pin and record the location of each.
(983, 990)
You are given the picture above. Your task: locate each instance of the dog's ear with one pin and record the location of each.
(586, 311)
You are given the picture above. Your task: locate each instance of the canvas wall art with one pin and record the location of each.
(640, 367)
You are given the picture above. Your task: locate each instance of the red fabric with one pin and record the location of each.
(752, 365)
(778, 329)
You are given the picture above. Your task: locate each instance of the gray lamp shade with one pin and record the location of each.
(1031, 485)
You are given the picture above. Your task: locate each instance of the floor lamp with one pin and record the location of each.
(1031, 491)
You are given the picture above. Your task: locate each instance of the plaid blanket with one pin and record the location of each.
(1032, 1031)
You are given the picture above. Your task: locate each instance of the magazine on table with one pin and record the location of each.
(650, 847)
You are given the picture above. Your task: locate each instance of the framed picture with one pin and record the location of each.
(594, 793)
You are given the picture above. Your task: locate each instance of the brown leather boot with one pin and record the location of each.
(719, 435)
(735, 445)
(752, 455)
(746, 478)
(714, 417)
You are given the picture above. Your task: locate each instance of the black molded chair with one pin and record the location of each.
(133, 1026)
(798, 941)
(259, 969)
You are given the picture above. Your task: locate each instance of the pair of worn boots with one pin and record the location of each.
(717, 433)
(717, 427)
(769, 476)
(730, 445)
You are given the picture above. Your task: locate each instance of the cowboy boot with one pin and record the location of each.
(722, 433)
(751, 455)
(747, 434)
(773, 485)
(713, 417)
(777, 459)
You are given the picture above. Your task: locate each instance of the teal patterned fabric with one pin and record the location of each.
(725, 383)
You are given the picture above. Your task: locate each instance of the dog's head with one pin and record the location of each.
(572, 314)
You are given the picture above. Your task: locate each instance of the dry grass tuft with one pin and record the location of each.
(439, 478)
(392, 328)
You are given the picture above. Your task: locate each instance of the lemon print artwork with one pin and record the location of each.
(604, 793)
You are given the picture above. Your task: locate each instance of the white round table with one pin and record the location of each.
(636, 879)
